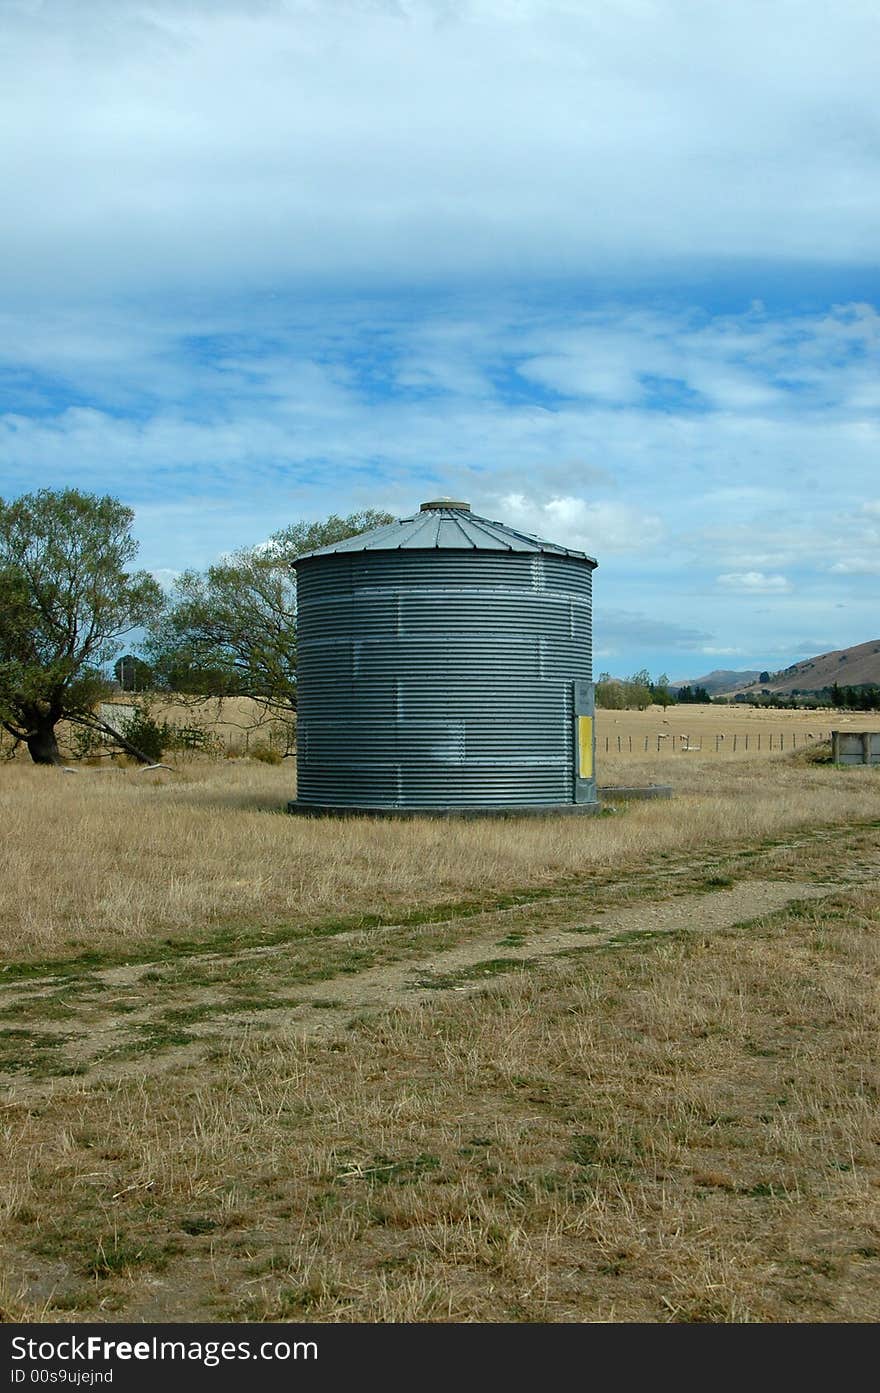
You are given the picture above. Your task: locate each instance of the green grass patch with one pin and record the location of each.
(32, 1051)
(115, 1254)
(489, 967)
(151, 1038)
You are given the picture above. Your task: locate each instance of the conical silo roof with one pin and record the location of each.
(446, 525)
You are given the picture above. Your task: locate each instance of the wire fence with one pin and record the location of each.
(761, 741)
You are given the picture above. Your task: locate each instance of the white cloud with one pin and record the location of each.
(755, 582)
(166, 576)
(754, 365)
(857, 566)
(591, 527)
(251, 416)
(591, 368)
(263, 259)
(274, 139)
(811, 647)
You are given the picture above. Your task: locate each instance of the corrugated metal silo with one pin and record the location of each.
(445, 663)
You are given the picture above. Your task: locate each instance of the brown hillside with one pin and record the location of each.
(851, 667)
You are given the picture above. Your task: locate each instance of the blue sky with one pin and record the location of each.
(611, 271)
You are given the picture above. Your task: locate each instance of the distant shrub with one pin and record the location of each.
(151, 737)
(195, 740)
(819, 752)
(154, 737)
(265, 754)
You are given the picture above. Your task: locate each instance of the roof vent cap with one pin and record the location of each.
(434, 504)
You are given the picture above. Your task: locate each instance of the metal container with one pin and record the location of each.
(444, 664)
(855, 746)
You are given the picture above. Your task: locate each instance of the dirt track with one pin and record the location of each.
(121, 1021)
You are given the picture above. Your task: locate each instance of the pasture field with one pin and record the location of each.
(730, 731)
(620, 1068)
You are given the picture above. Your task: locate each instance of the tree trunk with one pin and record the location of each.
(42, 744)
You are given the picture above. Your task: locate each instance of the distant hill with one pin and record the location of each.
(721, 680)
(850, 667)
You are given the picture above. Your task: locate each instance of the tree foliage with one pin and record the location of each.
(660, 693)
(694, 695)
(133, 674)
(622, 694)
(67, 596)
(863, 698)
(231, 630)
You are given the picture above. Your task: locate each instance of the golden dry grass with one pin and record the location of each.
(661, 1128)
(681, 1132)
(113, 859)
(728, 732)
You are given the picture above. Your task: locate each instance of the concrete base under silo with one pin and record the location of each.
(612, 792)
(514, 810)
(606, 795)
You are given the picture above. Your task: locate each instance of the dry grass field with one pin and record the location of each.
(611, 1069)
(735, 730)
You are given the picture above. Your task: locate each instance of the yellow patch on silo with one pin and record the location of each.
(585, 747)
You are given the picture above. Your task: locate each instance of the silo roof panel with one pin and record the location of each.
(446, 529)
(454, 533)
(421, 534)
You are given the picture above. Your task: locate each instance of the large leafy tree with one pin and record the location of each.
(67, 595)
(231, 630)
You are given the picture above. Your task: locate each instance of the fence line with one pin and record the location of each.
(772, 741)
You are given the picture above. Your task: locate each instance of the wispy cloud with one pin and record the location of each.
(622, 631)
(167, 141)
(755, 582)
(857, 566)
(262, 259)
(608, 526)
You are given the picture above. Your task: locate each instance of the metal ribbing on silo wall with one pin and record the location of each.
(439, 679)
